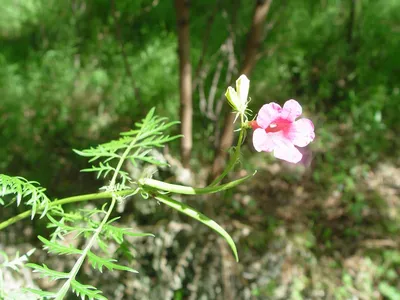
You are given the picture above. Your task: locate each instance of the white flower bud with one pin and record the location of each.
(238, 99)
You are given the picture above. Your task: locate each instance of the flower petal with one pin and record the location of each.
(302, 132)
(233, 98)
(262, 141)
(287, 151)
(242, 89)
(291, 110)
(268, 113)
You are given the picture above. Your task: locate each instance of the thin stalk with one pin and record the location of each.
(234, 157)
(80, 198)
(77, 266)
(65, 288)
(147, 183)
(187, 190)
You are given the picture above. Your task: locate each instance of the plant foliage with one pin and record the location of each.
(96, 226)
(15, 265)
(22, 188)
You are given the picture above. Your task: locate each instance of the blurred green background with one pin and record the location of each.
(74, 73)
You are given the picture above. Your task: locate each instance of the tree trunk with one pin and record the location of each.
(254, 40)
(185, 80)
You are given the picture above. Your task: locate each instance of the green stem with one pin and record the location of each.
(65, 288)
(96, 196)
(187, 190)
(147, 183)
(78, 264)
(233, 159)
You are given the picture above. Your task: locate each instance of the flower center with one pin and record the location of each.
(277, 126)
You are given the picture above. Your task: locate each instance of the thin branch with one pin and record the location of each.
(206, 38)
(232, 65)
(202, 96)
(213, 89)
(96, 196)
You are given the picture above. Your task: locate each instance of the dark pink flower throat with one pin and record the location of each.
(275, 126)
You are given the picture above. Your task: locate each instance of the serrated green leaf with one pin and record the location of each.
(55, 248)
(148, 135)
(98, 262)
(22, 188)
(191, 212)
(150, 161)
(86, 291)
(68, 229)
(134, 144)
(43, 294)
(103, 245)
(18, 262)
(117, 233)
(44, 271)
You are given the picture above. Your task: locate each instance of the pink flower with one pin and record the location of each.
(276, 129)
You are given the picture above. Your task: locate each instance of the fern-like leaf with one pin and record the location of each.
(98, 262)
(53, 247)
(62, 229)
(148, 135)
(16, 265)
(22, 188)
(44, 271)
(86, 291)
(105, 159)
(18, 262)
(118, 233)
(40, 293)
